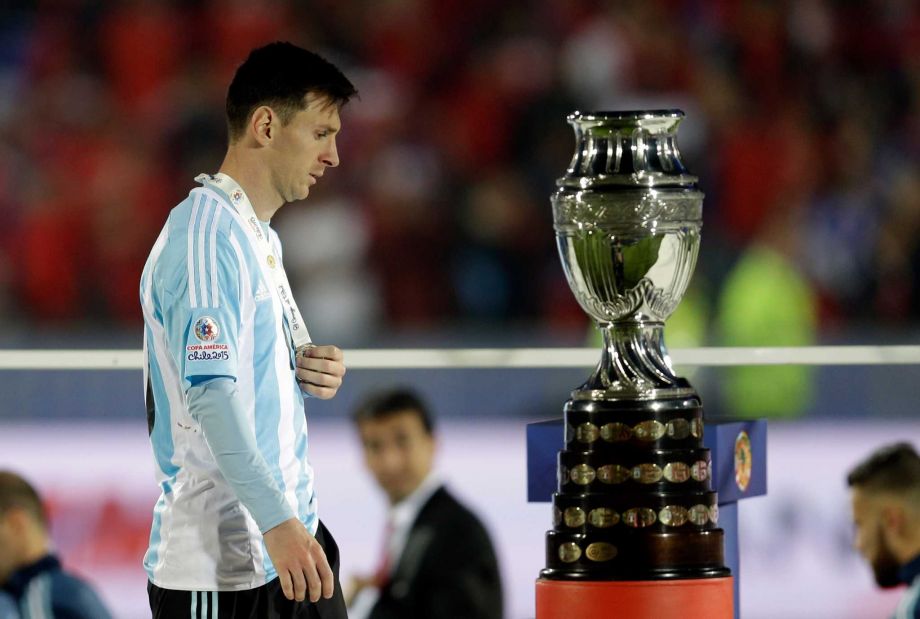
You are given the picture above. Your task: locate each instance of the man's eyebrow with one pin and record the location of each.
(328, 128)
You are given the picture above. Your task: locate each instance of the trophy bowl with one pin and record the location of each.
(627, 217)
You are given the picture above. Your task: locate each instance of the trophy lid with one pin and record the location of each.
(656, 121)
(630, 148)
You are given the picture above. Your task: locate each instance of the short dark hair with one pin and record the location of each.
(382, 404)
(17, 492)
(281, 75)
(893, 468)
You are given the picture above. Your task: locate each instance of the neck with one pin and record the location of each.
(242, 165)
(429, 482)
(35, 552)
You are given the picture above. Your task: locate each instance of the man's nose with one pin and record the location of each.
(390, 460)
(331, 156)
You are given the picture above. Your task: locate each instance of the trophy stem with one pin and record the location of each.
(634, 365)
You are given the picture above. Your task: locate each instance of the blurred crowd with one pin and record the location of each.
(803, 124)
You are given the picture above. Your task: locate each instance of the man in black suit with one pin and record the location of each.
(438, 561)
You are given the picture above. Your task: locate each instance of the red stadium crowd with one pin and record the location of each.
(803, 117)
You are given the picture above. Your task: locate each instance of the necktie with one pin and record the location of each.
(382, 574)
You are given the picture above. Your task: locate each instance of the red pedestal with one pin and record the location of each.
(702, 598)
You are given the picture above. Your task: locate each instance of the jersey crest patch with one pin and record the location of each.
(206, 329)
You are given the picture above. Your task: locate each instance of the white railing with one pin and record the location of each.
(447, 358)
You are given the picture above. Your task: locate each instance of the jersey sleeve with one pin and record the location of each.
(71, 598)
(215, 405)
(205, 318)
(8, 607)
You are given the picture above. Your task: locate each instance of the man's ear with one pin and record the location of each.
(894, 518)
(262, 124)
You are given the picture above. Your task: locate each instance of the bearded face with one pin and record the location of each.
(872, 539)
(884, 564)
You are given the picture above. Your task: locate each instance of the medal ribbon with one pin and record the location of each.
(272, 269)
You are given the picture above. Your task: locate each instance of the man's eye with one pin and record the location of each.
(321, 135)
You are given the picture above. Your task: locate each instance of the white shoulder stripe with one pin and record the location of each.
(154, 257)
(190, 258)
(38, 599)
(150, 268)
(202, 279)
(240, 255)
(907, 609)
(215, 301)
(147, 290)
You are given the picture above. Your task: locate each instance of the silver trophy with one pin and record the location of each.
(634, 499)
(627, 217)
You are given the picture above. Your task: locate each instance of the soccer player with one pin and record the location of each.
(32, 583)
(885, 493)
(236, 532)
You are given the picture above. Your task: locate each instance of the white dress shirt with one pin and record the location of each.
(400, 518)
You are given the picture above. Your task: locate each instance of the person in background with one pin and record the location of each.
(438, 559)
(748, 314)
(885, 494)
(32, 583)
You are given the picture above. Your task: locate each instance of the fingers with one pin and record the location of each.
(286, 586)
(325, 572)
(320, 579)
(320, 370)
(315, 577)
(322, 393)
(300, 585)
(314, 583)
(317, 384)
(300, 562)
(320, 379)
(326, 351)
(322, 366)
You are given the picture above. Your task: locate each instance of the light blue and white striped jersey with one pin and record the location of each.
(909, 605)
(208, 311)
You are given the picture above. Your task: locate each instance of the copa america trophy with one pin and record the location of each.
(634, 499)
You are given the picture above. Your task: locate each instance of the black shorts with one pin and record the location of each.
(265, 602)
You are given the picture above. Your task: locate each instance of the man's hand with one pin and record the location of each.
(300, 561)
(356, 585)
(320, 370)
